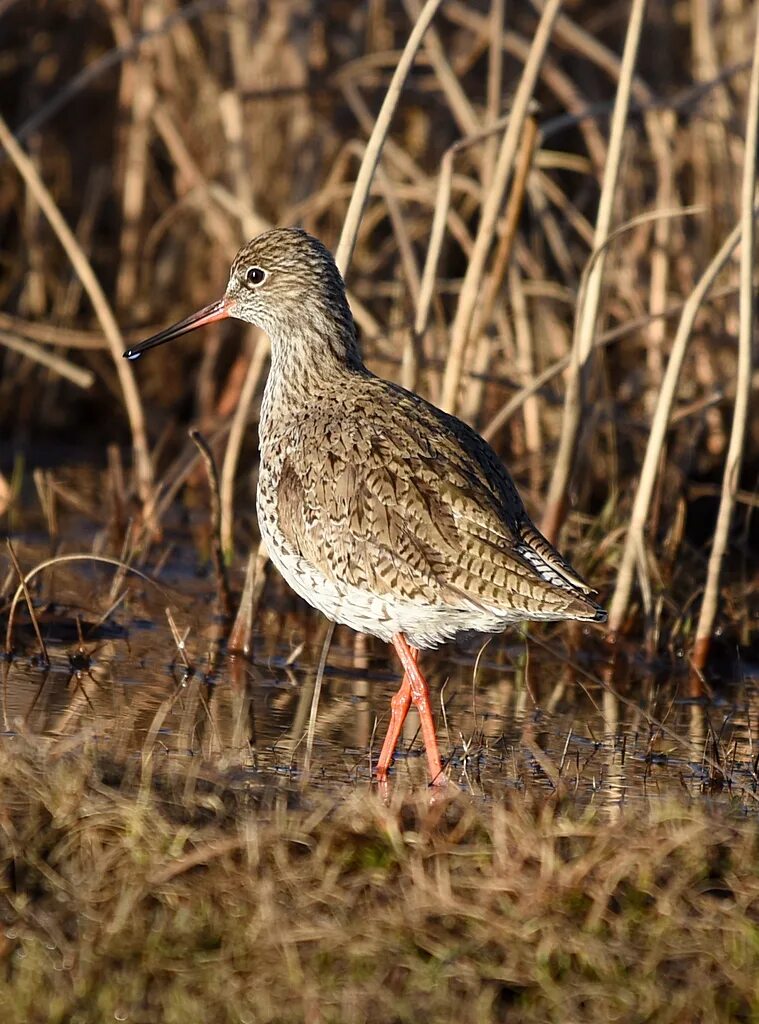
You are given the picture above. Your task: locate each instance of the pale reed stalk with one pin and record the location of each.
(587, 314)
(253, 377)
(377, 138)
(743, 379)
(470, 288)
(90, 283)
(659, 424)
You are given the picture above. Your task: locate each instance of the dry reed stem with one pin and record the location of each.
(222, 583)
(434, 247)
(660, 266)
(60, 366)
(174, 478)
(240, 636)
(500, 262)
(313, 711)
(659, 424)
(470, 287)
(360, 194)
(230, 109)
(238, 24)
(554, 233)
(440, 216)
(553, 76)
(411, 354)
(46, 496)
(135, 170)
(239, 423)
(82, 267)
(494, 88)
(458, 102)
(50, 334)
(578, 39)
(180, 642)
(514, 206)
(654, 123)
(733, 459)
(525, 350)
(587, 314)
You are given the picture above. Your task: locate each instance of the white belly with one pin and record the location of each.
(424, 625)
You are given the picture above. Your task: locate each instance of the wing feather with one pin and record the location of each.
(416, 504)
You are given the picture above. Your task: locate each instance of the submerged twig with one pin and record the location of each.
(30, 606)
(60, 560)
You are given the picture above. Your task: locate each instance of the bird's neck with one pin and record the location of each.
(310, 360)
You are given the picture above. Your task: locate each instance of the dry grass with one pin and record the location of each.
(197, 901)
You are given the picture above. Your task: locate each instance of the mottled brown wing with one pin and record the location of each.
(352, 526)
(402, 499)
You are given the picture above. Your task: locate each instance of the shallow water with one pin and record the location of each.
(515, 712)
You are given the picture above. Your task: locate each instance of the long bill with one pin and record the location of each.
(208, 315)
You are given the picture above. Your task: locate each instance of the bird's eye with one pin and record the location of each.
(255, 275)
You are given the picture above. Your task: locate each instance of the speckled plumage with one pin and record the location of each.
(379, 509)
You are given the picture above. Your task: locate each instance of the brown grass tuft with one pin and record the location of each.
(226, 905)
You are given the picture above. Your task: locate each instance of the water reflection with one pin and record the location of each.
(149, 679)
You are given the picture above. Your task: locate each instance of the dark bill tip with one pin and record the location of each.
(208, 315)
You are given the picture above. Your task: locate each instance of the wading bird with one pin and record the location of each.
(380, 510)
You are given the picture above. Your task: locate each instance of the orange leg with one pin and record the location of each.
(399, 705)
(414, 689)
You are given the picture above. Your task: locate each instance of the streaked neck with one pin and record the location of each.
(309, 360)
